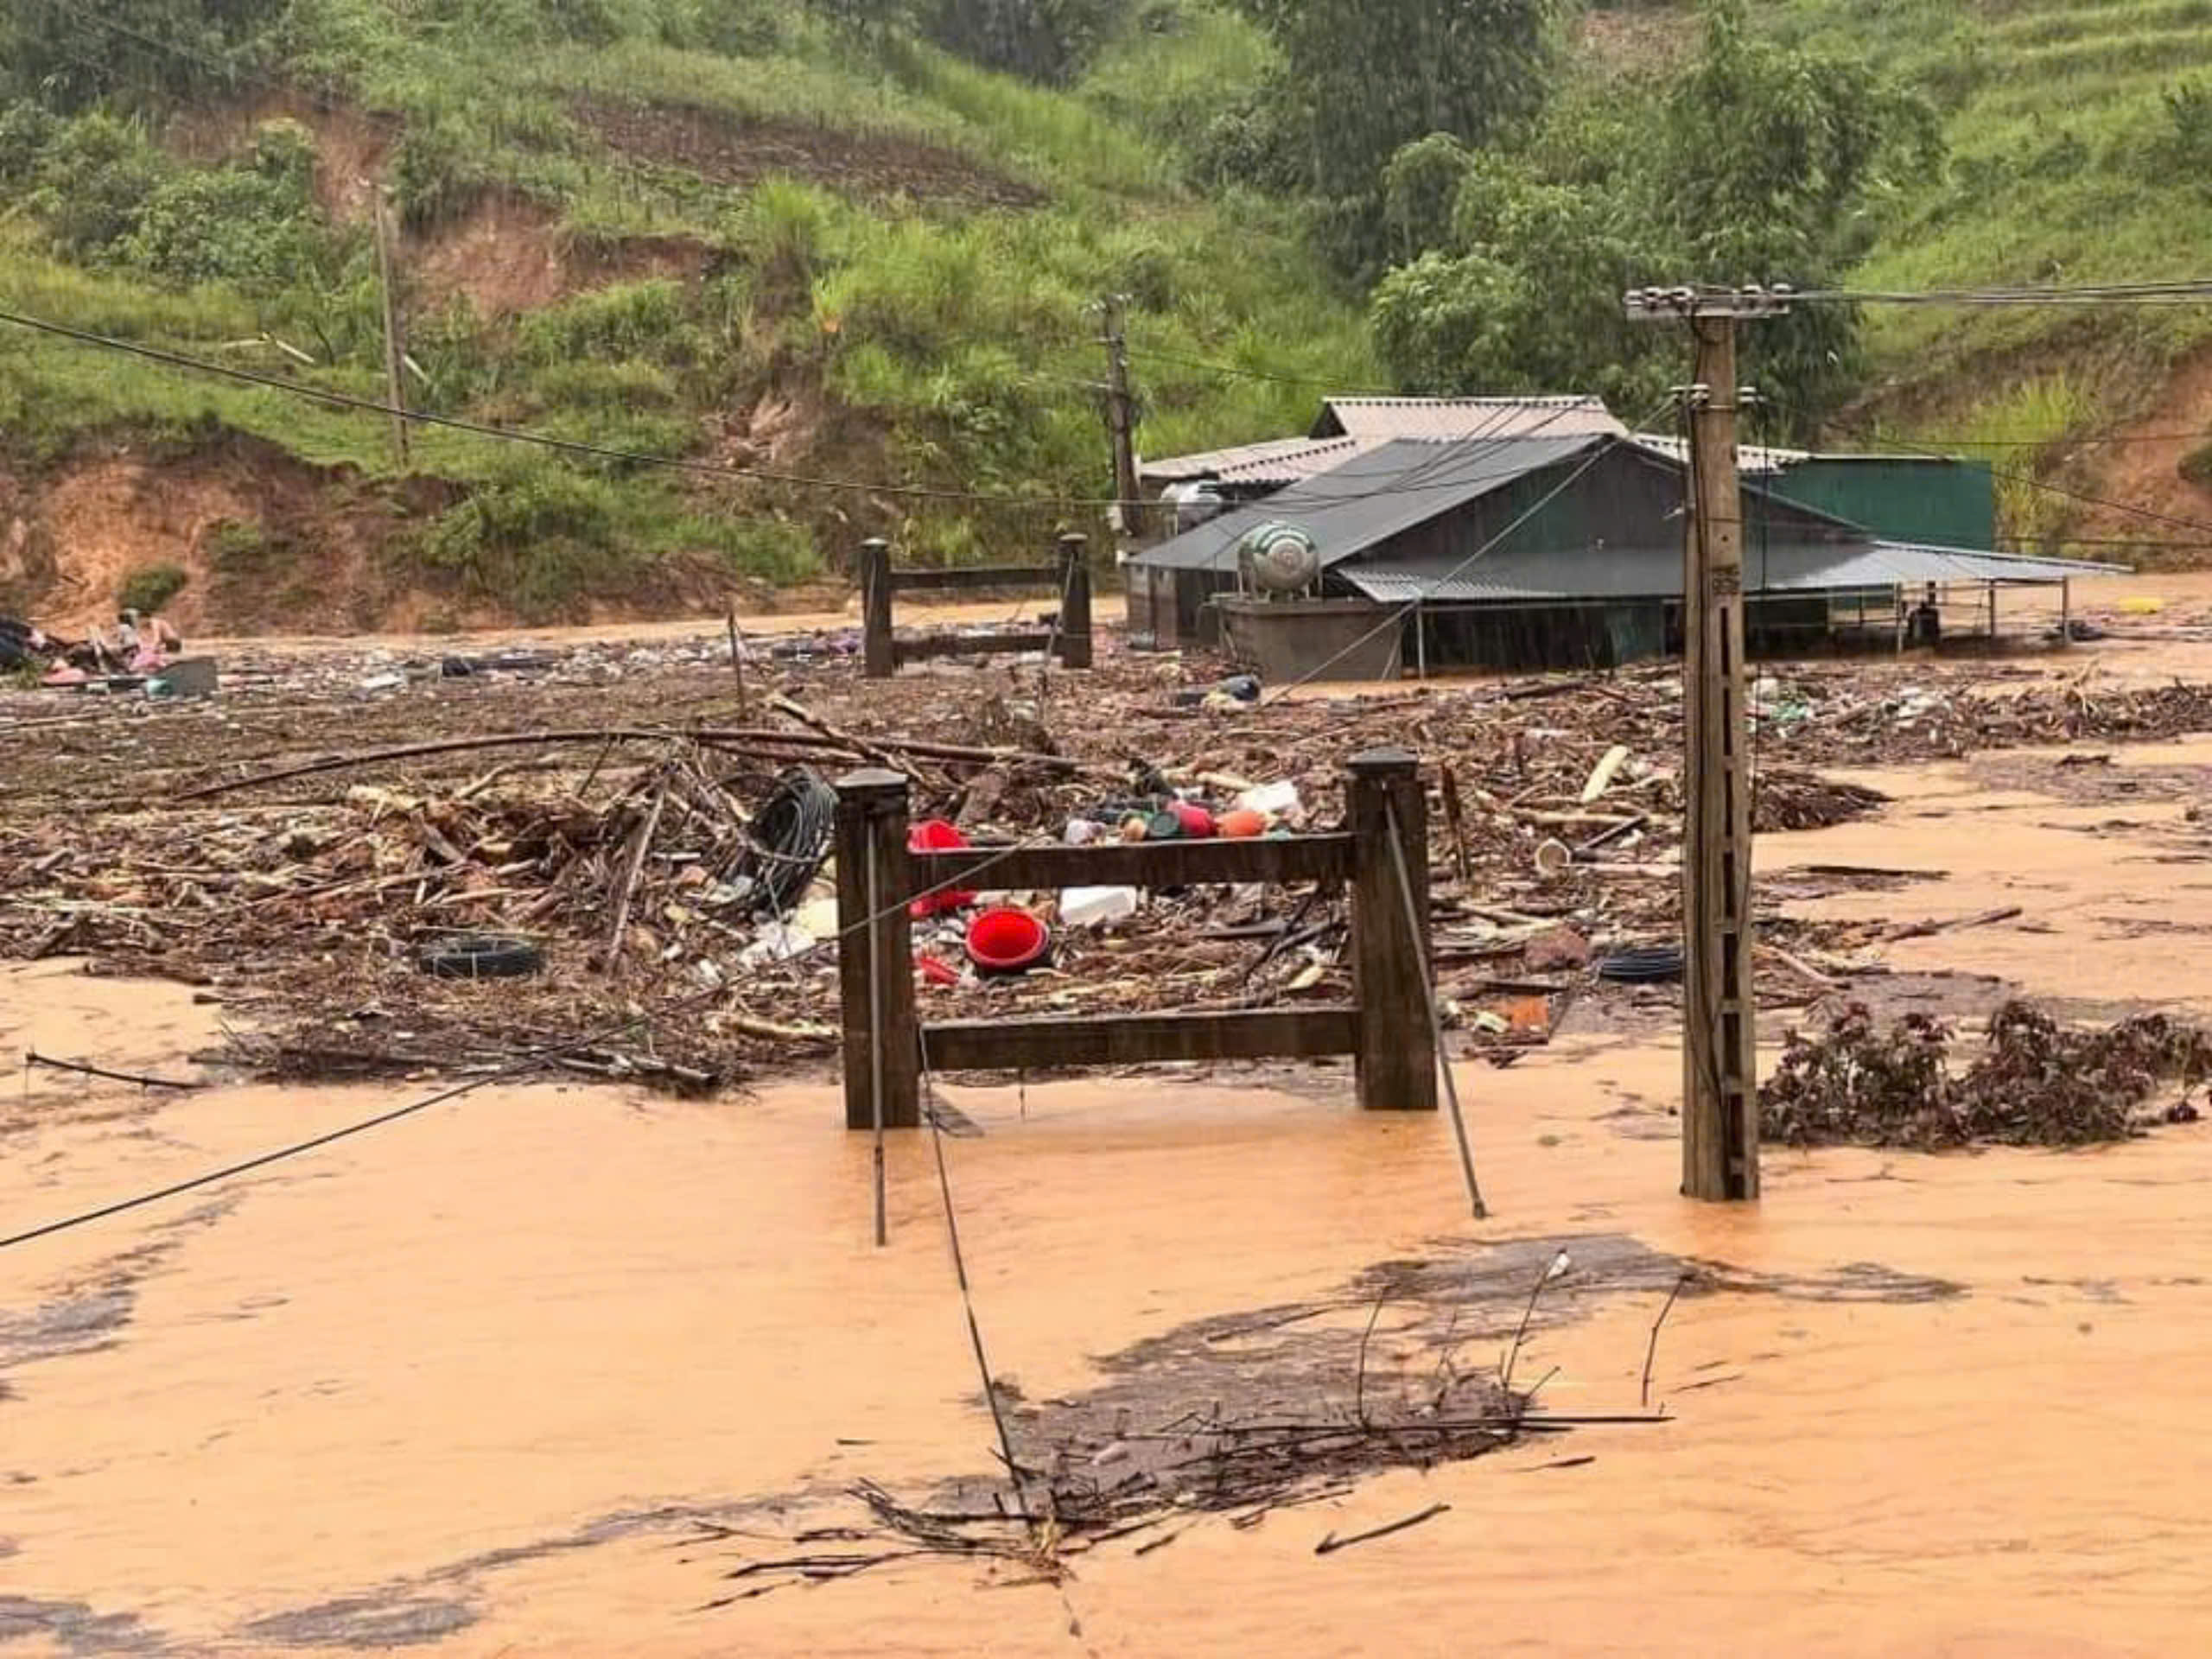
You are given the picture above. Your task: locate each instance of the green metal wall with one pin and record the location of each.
(1900, 497)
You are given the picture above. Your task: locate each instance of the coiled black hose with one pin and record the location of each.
(789, 838)
(1642, 964)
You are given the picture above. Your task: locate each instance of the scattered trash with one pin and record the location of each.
(1192, 820)
(1555, 950)
(935, 836)
(1007, 941)
(778, 942)
(1642, 964)
(1095, 906)
(788, 839)
(484, 955)
(384, 682)
(1554, 858)
(1278, 800)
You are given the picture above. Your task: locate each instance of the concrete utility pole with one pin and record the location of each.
(395, 388)
(1721, 1118)
(1121, 416)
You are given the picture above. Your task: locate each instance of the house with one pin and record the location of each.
(1549, 550)
(1942, 501)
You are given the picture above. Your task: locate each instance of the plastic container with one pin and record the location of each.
(1095, 906)
(1198, 822)
(1242, 824)
(1271, 800)
(935, 836)
(1007, 940)
(1163, 826)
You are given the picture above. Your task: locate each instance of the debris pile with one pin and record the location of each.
(295, 844)
(2035, 1083)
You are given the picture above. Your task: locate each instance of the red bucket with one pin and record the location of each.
(935, 836)
(1007, 940)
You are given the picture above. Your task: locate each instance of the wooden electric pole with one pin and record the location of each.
(395, 389)
(1720, 1113)
(1121, 416)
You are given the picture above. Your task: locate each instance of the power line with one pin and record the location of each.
(1232, 372)
(604, 452)
(1780, 296)
(262, 1160)
(517, 434)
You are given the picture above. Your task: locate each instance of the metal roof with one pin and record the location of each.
(1379, 420)
(1657, 572)
(1351, 426)
(1371, 497)
(1750, 457)
(1275, 462)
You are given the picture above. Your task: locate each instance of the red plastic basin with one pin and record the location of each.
(1007, 940)
(935, 836)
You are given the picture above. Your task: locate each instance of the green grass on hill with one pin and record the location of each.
(2080, 151)
(937, 342)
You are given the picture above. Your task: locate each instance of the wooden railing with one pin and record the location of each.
(1068, 576)
(1387, 1028)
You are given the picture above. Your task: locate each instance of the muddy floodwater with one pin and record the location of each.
(470, 1384)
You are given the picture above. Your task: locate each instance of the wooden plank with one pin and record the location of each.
(872, 817)
(880, 651)
(1133, 1040)
(1396, 1063)
(1136, 864)
(969, 645)
(1075, 602)
(965, 577)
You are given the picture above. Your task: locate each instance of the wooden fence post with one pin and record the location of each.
(1395, 1061)
(875, 957)
(1075, 602)
(878, 658)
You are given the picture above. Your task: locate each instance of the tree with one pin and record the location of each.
(1047, 41)
(1755, 162)
(1364, 78)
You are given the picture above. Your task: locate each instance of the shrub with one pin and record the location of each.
(150, 587)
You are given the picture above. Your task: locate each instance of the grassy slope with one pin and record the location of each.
(2060, 171)
(937, 343)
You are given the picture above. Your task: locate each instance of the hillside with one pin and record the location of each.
(2080, 150)
(844, 277)
(735, 235)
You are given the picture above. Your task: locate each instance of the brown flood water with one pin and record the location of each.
(460, 1382)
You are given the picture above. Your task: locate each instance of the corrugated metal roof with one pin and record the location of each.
(1370, 498)
(1379, 420)
(1276, 462)
(1750, 457)
(1350, 426)
(1886, 563)
(1657, 572)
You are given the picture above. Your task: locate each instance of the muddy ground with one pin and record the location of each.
(539, 1369)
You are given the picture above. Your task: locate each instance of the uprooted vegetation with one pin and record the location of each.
(2035, 1083)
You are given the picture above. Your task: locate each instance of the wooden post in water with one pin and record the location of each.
(878, 657)
(1395, 1062)
(1721, 1149)
(875, 952)
(1075, 602)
